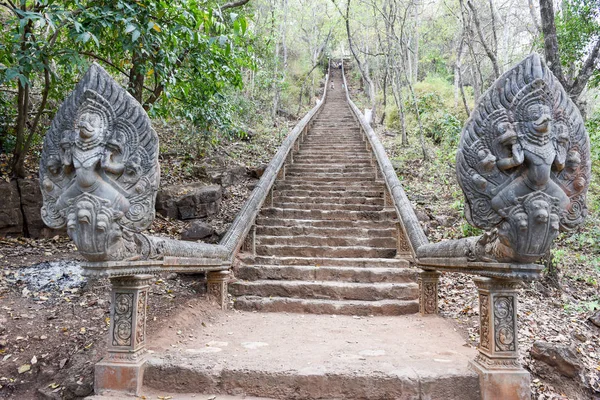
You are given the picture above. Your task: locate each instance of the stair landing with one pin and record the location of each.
(305, 356)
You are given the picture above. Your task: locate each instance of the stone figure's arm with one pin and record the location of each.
(510, 139)
(109, 165)
(514, 161)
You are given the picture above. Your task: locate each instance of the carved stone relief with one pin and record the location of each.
(484, 321)
(123, 319)
(523, 164)
(504, 323)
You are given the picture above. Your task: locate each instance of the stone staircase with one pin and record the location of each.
(328, 244)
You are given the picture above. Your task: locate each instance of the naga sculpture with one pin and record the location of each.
(99, 174)
(523, 164)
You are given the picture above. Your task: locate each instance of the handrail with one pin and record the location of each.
(403, 207)
(242, 224)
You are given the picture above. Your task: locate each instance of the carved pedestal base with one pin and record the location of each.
(123, 368)
(217, 287)
(500, 374)
(428, 292)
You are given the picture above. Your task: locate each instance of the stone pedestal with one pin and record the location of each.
(428, 292)
(122, 369)
(497, 364)
(217, 287)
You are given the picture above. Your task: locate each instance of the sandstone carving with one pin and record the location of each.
(524, 165)
(99, 174)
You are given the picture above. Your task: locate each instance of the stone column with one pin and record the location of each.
(428, 292)
(497, 364)
(123, 368)
(217, 287)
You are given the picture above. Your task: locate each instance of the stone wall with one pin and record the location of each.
(20, 210)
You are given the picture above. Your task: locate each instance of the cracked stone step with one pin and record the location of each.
(326, 290)
(321, 223)
(323, 231)
(327, 251)
(362, 262)
(294, 213)
(341, 193)
(376, 201)
(314, 273)
(325, 306)
(339, 241)
(333, 186)
(324, 206)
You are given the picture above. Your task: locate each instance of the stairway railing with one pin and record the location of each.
(406, 215)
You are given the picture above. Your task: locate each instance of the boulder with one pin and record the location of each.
(595, 318)
(197, 230)
(11, 217)
(228, 177)
(31, 205)
(560, 357)
(189, 201)
(257, 172)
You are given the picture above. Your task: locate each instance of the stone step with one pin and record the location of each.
(313, 273)
(323, 206)
(331, 175)
(320, 251)
(351, 187)
(329, 200)
(327, 179)
(326, 290)
(336, 194)
(340, 169)
(295, 213)
(308, 357)
(325, 306)
(323, 231)
(326, 261)
(337, 241)
(346, 224)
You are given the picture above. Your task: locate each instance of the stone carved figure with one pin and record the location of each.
(99, 168)
(523, 164)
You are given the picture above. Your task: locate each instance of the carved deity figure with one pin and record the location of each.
(99, 168)
(523, 164)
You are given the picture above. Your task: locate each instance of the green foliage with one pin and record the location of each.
(577, 25)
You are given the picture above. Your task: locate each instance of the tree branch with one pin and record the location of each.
(234, 4)
(585, 72)
(488, 51)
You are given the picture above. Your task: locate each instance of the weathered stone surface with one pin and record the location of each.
(595, 319)
(197, 230)
(11, 218)
(561, 357)
(31, 204)
(257, 172)
(189, 201)
(523, 164)
(228, 177)
(99, 168)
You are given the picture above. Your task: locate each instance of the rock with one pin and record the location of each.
(561, 357)
(595, 319)
(197, 230)
(248, 135)
(31, 205)
(257, 172)
(422, 216)
(78, 388)
(444, 220)
(11, 218)
(189, 201)
(228, 177)
(172, 276)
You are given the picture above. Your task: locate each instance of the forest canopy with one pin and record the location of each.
(226, 67)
